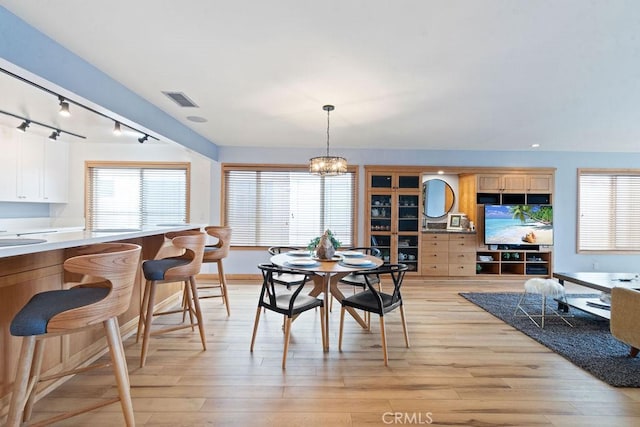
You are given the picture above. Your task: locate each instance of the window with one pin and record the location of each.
(287, 206)
(133, 195)
(608, 213)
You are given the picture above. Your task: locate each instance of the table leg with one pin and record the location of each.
(562, 306)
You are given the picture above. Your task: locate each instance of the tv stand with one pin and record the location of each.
(514, 262)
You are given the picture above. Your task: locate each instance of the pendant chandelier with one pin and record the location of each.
(328, 165)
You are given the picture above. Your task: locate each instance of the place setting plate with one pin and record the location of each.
(298, 253)
(357, 262)
(352, 254)
(302, 262)
(335, 258)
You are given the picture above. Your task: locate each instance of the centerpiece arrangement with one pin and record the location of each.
(325, 245)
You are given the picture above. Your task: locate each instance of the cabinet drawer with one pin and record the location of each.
(462, 257)
(435, 246)
(435, 257)
(435, 269)
(431, 237)
(462, 246)
(462, 269)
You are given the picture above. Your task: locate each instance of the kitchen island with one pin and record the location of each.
(27, 269)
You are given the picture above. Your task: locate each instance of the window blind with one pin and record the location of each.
(134, 197)
(608, 214)
(287, 207)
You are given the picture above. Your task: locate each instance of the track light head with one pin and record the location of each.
(116, 129)
(23, 127)
(54, 135)
(143, 139)
(64, 107)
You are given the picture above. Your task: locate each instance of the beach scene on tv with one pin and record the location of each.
(518, 225)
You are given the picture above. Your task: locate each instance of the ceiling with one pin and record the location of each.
(408, 74)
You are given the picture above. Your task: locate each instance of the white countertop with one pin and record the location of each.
(68, 238)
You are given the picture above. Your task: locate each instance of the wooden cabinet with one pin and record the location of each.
(514, 262)
(515, 183)
(448, 254)
(393, 215)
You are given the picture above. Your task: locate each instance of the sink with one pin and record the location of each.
(19, 242)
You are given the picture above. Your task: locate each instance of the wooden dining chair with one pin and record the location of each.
(280, 300)
(377, 302)
(182, 268)
(215, 253)
(108, 272)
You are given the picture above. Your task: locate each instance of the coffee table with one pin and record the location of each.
(602, 282)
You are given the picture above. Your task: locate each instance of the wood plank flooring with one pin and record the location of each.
(464, 368)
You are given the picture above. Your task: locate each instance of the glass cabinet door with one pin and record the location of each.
(408, 226)
(381, 225)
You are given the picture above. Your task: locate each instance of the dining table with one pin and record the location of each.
(327, 274)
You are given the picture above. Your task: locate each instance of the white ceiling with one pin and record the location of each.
(420, 74)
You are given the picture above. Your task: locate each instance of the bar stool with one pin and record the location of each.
(104, 292)
(173, 269)
(216, 253)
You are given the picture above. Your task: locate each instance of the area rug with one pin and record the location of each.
(589, 344)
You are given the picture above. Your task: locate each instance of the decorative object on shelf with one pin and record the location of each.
(325, 245)
(328, 165)
(455, 221)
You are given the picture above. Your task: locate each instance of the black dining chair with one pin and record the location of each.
(281, 300)
(374, 301)
(357, 280)
(285, 278)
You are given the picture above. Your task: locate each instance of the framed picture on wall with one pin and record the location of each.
(454, 221)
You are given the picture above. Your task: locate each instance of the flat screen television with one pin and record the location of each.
(518, 225)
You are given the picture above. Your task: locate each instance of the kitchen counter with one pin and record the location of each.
(69, 238)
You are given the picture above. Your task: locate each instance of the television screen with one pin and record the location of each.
(518, 224)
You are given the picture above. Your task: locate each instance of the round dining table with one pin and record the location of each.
(326, 275)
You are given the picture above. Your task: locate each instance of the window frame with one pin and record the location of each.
(89, 164)
(225, 167)
(609, 172)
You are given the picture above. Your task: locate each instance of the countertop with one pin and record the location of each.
(69, 238)
(444, 230)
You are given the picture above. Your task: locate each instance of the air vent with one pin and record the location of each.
(181, 99)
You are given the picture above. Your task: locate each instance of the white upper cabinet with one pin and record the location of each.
(56, 172)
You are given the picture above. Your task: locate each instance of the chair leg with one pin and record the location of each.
(223, 287)
(21, 384)
(196, 303)
(341, 327)
(142, 320)
(36, 366)
(255, 327)
(120, 370)
(187, 304)
(633, 352)
(383, 336)
(148, 320)
(404, 326)
(287, 333)
(323, 329)
(544, 309)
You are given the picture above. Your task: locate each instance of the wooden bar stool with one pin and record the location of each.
(182, 268)
(104, 292)
(216, 253)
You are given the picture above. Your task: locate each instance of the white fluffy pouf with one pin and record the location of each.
(548, 287)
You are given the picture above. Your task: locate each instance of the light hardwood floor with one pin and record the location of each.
(464, 368)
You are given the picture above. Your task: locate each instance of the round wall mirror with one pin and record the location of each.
(438, 198)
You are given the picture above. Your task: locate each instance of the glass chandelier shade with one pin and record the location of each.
(328, 165)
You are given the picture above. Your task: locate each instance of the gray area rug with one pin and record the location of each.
(589, 344)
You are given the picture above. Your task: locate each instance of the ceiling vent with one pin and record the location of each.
(181, 99)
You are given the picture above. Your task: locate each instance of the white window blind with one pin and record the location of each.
(266, 207)
(608, 212)
(126, 197)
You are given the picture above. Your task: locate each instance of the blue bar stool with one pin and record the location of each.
(182, 268)
(108, 275)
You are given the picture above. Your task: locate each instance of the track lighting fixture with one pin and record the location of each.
(23, 127)
(116, 129)
(143, 139)
(54, 135)
(64, 107)
(65, 103)
(26, 122)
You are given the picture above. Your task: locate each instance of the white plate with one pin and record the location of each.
(298, 253)
(352, 254)
(357, 262)
(302, 262)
